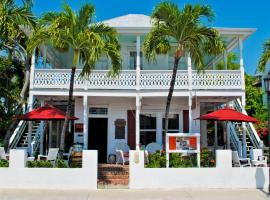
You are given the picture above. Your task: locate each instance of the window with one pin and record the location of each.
(98, 111)
(173, 123)
(147, 129)
(133, 60)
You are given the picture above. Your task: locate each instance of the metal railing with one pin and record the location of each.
(20, 130)
(234, 139)
(36, 141)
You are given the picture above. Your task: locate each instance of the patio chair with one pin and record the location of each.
(151, 148)
(67, 156)
(52, 156)
(122, 153)
(257, 158)
(240, 162)
(3, 155)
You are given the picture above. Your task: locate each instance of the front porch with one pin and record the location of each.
(106, 121)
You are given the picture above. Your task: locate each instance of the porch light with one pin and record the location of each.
(267, 90)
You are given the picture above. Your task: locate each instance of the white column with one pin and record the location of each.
(190, 91)
(30, 125)
(138, 98)
(225, 58)
(181, 122)
(242, 62)
(190, 112)
(85, 122)
(159, 128)
(32, 70)
(41, 146)
(244, 137)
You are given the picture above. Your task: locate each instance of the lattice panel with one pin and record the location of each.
(161, 80)
(226, 79)
(216, 80)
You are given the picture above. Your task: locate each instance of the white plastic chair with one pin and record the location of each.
(3, 155)
(52, 155)
(68, 155)
(122, 153)
(240, 162)
(258, 160)
(153, 147)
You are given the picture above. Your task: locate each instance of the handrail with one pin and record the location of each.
(20, 129)
(234, 138)
(251, 131)
(36, 141)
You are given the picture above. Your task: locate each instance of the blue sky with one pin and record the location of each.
(229, 13)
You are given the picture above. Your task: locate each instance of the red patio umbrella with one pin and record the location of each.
(47, 112)
(227, 114)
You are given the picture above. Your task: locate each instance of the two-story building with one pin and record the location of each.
(131, 107)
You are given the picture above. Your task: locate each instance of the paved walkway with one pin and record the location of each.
(117, 194)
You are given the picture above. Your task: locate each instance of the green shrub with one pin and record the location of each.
(207, 158)
(158, 160)
(61, 164)
(178, 161)
(4, 163)
(39, 164)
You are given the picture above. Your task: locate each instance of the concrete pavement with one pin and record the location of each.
(117, 194)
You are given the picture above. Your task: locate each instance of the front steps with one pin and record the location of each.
(113, 176)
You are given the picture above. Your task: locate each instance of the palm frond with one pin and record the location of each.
(86, 14)
(264, 57)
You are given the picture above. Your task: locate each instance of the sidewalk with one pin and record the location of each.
(117, 194)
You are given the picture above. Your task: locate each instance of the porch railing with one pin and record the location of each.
(149, 79)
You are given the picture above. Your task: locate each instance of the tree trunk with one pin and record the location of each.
(169, 97)
(26, 81)
(68, 111)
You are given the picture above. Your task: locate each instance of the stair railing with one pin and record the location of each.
(20, 130)
(250, 129)
(36, 141)
(234, 139)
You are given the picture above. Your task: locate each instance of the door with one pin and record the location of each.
(97, 137)
(131, 127)
(185, 121)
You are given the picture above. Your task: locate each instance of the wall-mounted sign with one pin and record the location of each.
(120, 125)
(79, 128)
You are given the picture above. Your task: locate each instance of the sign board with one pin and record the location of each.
(79, 128)
(187, 143)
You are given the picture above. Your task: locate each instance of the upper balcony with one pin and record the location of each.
(149, 80)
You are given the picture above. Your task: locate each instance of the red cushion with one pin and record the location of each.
(126, 154)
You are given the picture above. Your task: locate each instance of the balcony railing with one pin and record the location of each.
(149, 79)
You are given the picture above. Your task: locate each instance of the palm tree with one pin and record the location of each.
(88, 40)
(13, 19)
(265, 56)
(185, 29)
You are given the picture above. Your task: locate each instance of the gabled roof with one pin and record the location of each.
(130, 21)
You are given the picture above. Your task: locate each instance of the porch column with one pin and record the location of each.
(244, 137)
(225, 57)
(242, 62)
(30, 125)
(138, 98)
(85, 122)
(159, 128)
(190, 91)
(32, 70)
(243, 100)
(41, 146)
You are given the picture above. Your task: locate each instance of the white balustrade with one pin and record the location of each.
(149, 79)
(217, 79)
